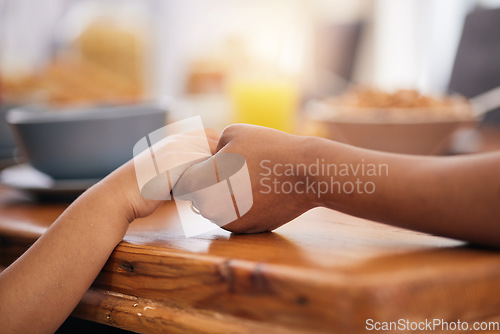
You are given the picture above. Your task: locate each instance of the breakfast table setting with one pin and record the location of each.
(97, 98)
(322, 272)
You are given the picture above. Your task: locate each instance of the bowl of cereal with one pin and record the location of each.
(404, 121)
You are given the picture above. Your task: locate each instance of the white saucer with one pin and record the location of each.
(27, 178)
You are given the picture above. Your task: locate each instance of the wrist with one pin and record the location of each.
(105, 208)
(309, 153)
(122, 184)
(325, 161)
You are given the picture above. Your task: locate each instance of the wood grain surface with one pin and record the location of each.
(323, 272)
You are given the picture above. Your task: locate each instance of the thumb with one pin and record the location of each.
(219, 187)
(226, 136)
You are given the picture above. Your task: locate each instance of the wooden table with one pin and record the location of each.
(323, 272)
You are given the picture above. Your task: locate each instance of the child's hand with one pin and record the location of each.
(123, 181)
(82, 237)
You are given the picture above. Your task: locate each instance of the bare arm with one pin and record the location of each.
(40, 289)
(457, 197)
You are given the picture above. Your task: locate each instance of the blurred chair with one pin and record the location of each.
(336, 49)
(477, 63)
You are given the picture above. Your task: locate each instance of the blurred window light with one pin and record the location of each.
(416, 41)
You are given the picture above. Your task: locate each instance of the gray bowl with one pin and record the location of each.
(83, 143)
(7, 144)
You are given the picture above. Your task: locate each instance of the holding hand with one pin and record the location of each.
(260, 147)
(414, 192)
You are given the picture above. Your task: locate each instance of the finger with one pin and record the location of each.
(201, 174)
(197, 176)
(213, 145)
(227, 135)
(212, 136)
(220, 190)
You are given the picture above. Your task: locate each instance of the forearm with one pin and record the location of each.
(40, 289)
(450, 196)
(43, 286)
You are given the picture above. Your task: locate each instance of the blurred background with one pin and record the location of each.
(195, 46)
(257, 61)
(108, 50)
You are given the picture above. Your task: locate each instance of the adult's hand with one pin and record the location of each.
(263, 149)
(449, 196)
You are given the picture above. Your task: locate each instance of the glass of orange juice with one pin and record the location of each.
(270, 102)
